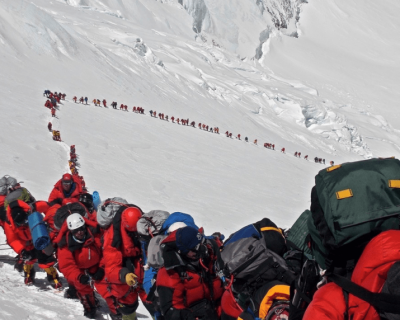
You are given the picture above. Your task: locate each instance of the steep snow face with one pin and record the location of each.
(348, 52)
(107, 45)
(242, 26)
(332, 93)
(160, 15)
(24, 23)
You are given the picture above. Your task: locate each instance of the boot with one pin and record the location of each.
(131, 316)
(115, 316)
(19, 264)
(53, 278)
(97, 302)
(89, 305)
(29, 274)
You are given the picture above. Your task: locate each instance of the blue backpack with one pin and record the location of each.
(245, 232)
(179, 217)
(266, 229)
(253, 256)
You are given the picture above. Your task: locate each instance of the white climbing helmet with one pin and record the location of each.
(75, 221)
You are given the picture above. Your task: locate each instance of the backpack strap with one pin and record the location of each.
(150, 221)
(293, 246)
(382, 301)
(117, 237)
(271, 229)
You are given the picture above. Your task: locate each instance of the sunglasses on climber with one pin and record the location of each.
(199, 251)
(197, 247)
(83, 228)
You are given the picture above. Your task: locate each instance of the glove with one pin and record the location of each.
(84, 279)
(98, 275)
(26, 255)
(55, 201)
(130, 279)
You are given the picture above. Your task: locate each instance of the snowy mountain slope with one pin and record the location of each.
(155, 164)
(186, 69)
(145, 53)
(242, 26)
(350, 58)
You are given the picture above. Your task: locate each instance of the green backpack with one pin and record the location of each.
(350, 204)
(19, 194)
(296, 236)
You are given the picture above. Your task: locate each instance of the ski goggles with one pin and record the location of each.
(200, 249)
(198, 246)
(75, 231)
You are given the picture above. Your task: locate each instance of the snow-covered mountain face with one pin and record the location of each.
(227, 67)
(320, 78)
(146, 53)
(242, 26)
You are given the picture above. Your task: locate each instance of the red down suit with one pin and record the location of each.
(19, 237)
(182, 285)
(370, 272)
(72, 195)
(123, 255)
(77, 258)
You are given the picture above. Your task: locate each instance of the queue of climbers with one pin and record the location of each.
(52, 103)
(73, 166)
(339, 260)
(161, 116)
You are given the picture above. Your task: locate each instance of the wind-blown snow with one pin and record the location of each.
(330, 90)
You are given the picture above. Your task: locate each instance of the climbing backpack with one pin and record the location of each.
(350, 204)
(250, 260)
(3, 214)
(19, 194)
(3, 186)
(107, 209)
(272, 235)
(249, 264)
(297, 235)
(7, 182)
(174, 217)
(63, 212)
(150, 224)
(154, 253)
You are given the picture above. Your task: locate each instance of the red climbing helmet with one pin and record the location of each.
(67, 178)
(130, 217)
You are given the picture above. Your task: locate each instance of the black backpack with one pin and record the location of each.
(63, 212)
(253, 256)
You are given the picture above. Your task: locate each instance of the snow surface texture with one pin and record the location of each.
(325, 85)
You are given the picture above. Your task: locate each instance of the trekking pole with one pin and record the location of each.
(3, 244)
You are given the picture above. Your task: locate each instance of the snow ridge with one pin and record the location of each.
(322, 119)
(223, 26)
